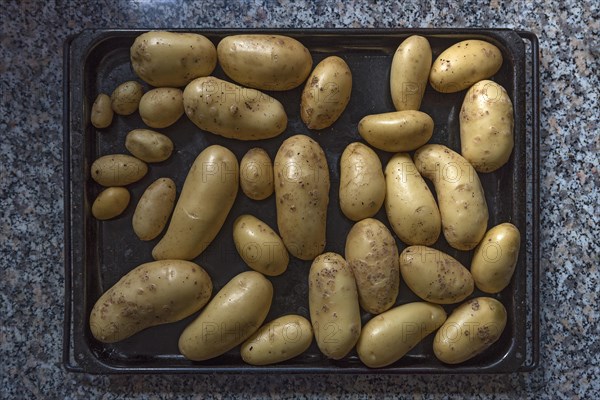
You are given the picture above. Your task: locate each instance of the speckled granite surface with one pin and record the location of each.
(31, 196)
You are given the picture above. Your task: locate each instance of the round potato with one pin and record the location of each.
(102, 113)
(372, 254)
(110, 203)
(409, 73)
(256, 174)
(125, 99)
(154, 209)
(148, 145)
(362, 185)
(118, 170)
(161, 107)
(326, 94)
(154, 293)
(267, 62)
(396, 131)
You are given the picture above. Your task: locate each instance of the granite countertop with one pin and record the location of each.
(31, 195)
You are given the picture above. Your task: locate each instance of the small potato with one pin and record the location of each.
(326, 94)
(161, 107)
(102, 113)
(372, 254)
(148, 145)
(125, 99)
(434, 276)
(471, 328)
(154, 209)
(495, 258)
(409, 73)
(118, 170)
(259, 246)
(154, 293)
(398, 131)
(463, 64)
(267, 62)
(362, 185)
(486, 126)
(256, 174)
(110, 203)
(280, 340)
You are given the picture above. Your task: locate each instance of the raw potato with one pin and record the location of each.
(154, 293)
(207, 196)
(259, 246)
(389, 336)
(434, 276)
(362, 185)
(161, 107)
(154, 209)
(172, 59)
(148, 145)
(495, 258)
(396, 131)
(279, 340)
(118, 170)
(233, 111)
(267, 62)
(372, 254)
(102, 113)
(333, 303)
(460, 195)
(301, 196)
(463, 64)
(410, 72)
(486, 126)
(125, 99)
(256, 174)
(409, 204)
(110, 203)
(232, 316)
(471, 328)
(326, 94)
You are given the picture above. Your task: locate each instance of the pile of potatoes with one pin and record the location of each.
(368, 275)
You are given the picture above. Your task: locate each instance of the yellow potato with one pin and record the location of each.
(110, 203)
(118, 170)
(486, 126)
(410, 72)
(154, 293)
(102, 113)
(268, 62)
(161, 107)
(148, 145)
(256, 174)
(154, 209)
(125, 99)
(396, 131)
(326, 94)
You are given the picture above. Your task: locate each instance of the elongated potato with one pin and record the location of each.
(471, 328)
(301, 196)
(410, 72)
(396, 131)
(154, 293)
(118, 170)
(333, 304)
(125, 99)
(231, 317)
(495, 258)
(207, 196)
(102, 113)
(486, 126)
(435, 276)
(110, 203)
(280, 340)
(409, 204)
(389, 336)
(148, 145)
(460, 196)
(161, 107)
(362, 185)
(154, 209)
(256, 174)
(267, 62)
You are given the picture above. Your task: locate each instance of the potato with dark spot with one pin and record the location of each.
(154, 209)
(256, 174)
(396, 131)
(118, 170)
(125, 99)
(110, 203)
(102, 113)
(409, 72)
(161, 107)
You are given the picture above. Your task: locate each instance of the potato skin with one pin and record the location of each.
(148, 145)
(240, 306)
(471, 328)
(154, 209)
(301, 196)
(117, 170)
(161, 107)
(154, 293)
(233, 111)
(486, 126)
(267, 62)
(256, 174)
(125, 99)
(410, 72)
(326, 93)
(280, 340)
(213, 178)
(409, 204)
(110, 203)
(460, 196)
(435, 276)
(397, 131)
(372, 254)
(463, 64)
(172, 59)
(389, 336)
(333, 304)
(102, 113)
(362, 184)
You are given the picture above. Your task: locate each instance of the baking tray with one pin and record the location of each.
(97, 253)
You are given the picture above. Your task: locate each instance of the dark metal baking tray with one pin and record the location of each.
(97, 253)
